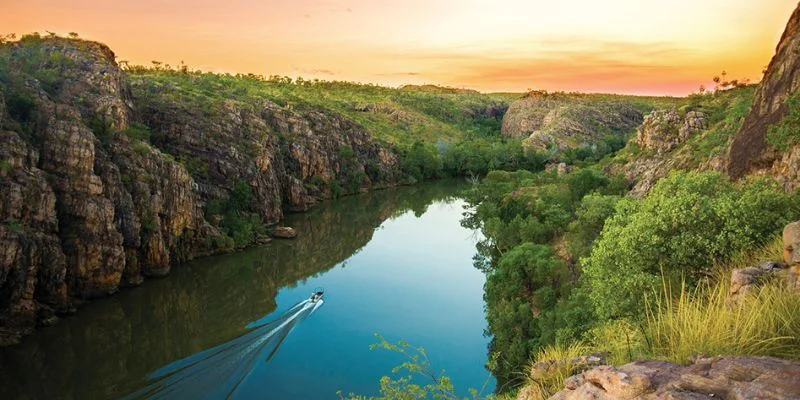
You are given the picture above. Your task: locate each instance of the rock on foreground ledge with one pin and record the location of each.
(729, 378)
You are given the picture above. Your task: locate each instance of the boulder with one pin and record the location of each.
(730, 378)
(663, 130)
(284, 232)
(791, 252)
(560, 168)
(263, 239)
(791, 243)
(745, 279)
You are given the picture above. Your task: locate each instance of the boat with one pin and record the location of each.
(316, 295)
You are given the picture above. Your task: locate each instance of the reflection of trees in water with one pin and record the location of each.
(111, 346)
(219, 371)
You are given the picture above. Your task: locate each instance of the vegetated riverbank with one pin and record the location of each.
(115, 174)
(583, 272)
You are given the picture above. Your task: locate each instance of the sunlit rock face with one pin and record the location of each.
(567, 120)
(85, 209)
(750, 152)
(663, 130)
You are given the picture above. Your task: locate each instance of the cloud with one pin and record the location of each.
(315, 71)
(566, 62)
(399, 74)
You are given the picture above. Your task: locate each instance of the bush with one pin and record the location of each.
(519, 285)
(688, 222)
(138, 131)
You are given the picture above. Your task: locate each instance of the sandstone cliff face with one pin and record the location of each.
(85, 209)
(564, 120)
(749, 151)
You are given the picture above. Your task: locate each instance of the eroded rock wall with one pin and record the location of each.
(85, 209)
(750, 152)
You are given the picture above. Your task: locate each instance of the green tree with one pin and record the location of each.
(688, 222)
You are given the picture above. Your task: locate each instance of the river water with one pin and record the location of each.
(394, 262)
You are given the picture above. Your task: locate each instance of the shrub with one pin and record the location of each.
(519, 285)
(138, 131)
(688, 222)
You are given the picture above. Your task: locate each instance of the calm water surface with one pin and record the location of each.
(393, 262)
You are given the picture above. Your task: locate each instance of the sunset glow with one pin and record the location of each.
(621, 46)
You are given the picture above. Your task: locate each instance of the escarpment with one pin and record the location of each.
(750, 151)
(108, 178)
(568, 120)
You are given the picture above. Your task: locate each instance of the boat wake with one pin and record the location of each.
(217, 373)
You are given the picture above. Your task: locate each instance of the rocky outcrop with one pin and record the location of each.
(749, 150)
(663, 130)
(87, 207)
(284, 232)
(791, 253)
(730, 378)
(744, 280)
(567, 120)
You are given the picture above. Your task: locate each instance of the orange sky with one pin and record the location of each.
(621, 46)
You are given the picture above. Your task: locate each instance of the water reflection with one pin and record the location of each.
(216, 373)
(110, 348)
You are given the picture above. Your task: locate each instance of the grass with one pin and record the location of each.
(392, 115)
(702, 322)
(680, 323)
(543, 383)
(771, 250)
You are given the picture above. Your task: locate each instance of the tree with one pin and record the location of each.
(688, 222)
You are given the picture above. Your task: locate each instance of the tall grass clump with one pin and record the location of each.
(772, 249)
(545, 382)
(703, 321)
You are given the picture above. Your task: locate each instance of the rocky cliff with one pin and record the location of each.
(107, 181)
(750, 151)
(568, 120)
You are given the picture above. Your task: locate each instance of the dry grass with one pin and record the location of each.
(702, 322)
(542, 384)
(771, 250)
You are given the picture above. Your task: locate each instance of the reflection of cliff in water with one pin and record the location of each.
(112, 344)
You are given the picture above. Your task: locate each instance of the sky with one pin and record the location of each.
(651, 47)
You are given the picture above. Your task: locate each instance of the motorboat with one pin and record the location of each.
(316, 295)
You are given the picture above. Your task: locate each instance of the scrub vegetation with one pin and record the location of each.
(572, 262)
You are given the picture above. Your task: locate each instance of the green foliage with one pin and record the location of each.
(101, 128)
(590, 217)
(336, 188)
(239, 226)
(393, 116)
(346, 152)
(688, 222)
(531, 299)
(417, 365)
(138, 131)
(520, 286)
(786, 133)
(421, 162)
(197, 167)
(141, 148)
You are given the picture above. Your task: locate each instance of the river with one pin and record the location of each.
(393, 262)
